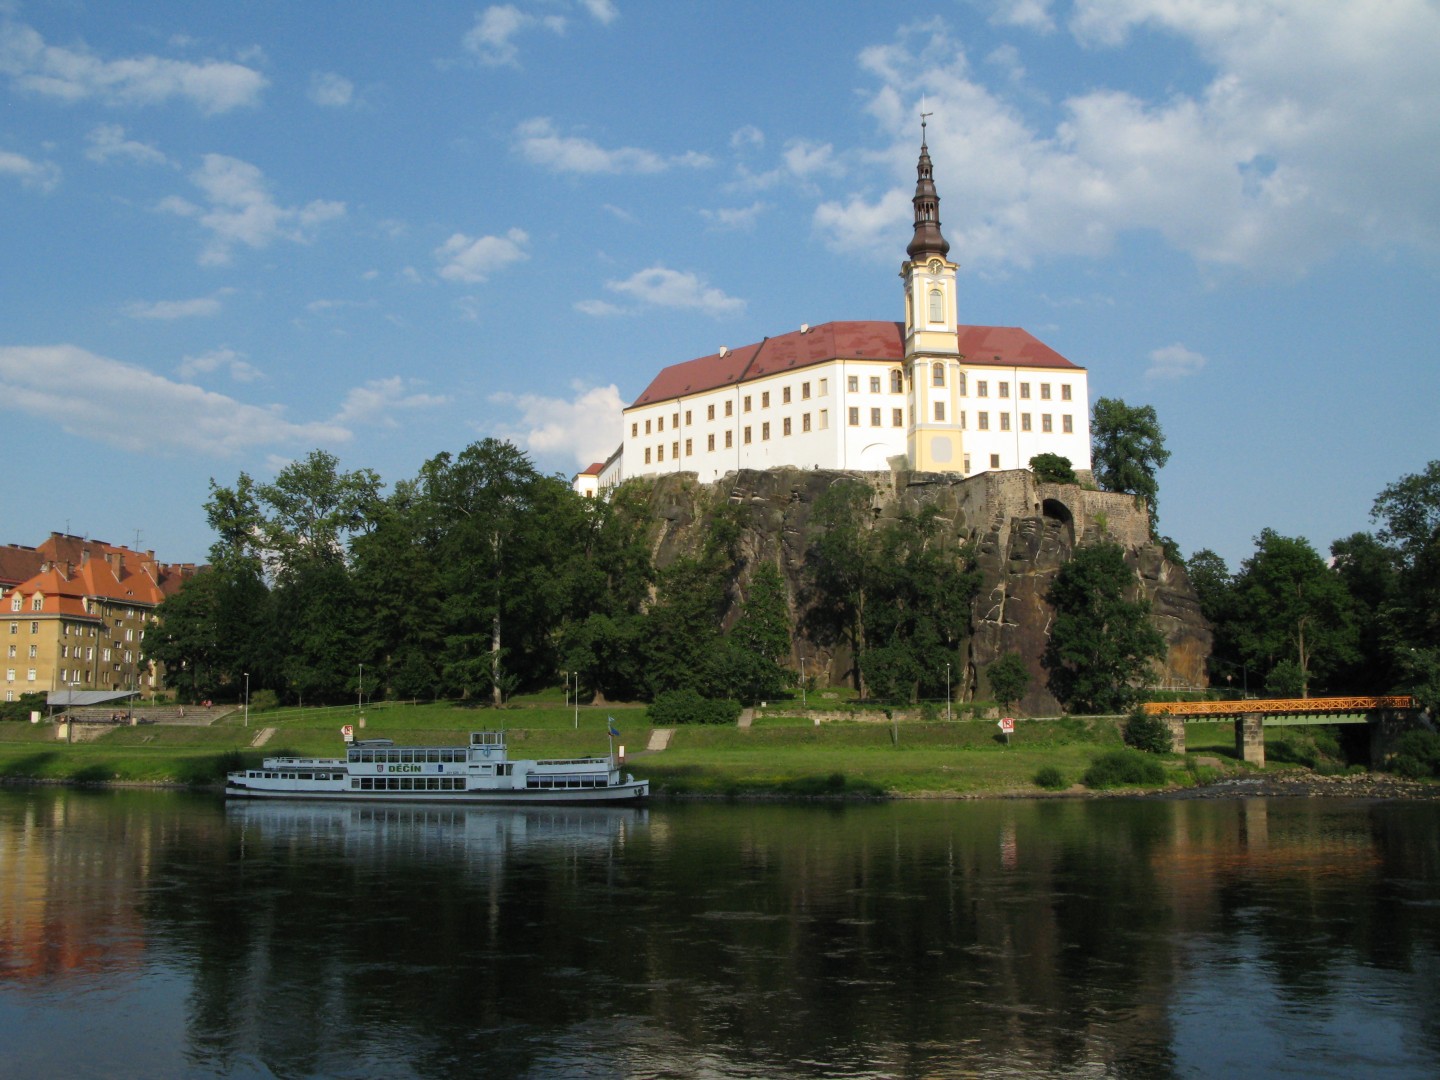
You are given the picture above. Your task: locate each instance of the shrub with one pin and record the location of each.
(1416, 755)
(1124, 767)
(1052, 469)
(1148, 733)
(20, 710)
(1051, 779)
(676, 707)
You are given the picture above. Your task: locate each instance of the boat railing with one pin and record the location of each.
(575, 761)
(327, 762)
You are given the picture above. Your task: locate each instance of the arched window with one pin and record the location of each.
(937, 374)
(937, 306)
(960, 383)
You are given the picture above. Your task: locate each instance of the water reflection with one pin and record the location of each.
(1111, 938)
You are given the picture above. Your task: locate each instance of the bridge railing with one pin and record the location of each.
(1278, 706)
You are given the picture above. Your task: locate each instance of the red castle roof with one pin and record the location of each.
(999, 346)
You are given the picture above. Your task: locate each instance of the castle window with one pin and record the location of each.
(897, 382)
(765, 431)
(852, 383)
(785, 426)
(874, 384)
(937, 374)
(647, 427)
(1004, 421)
(676, 424)
(897, 417)
(689, 449)
(675, 449)
(962, 419)
(1004, 389)
(1024, 389)
(994, 461)
(967, 464)
(939, 412)
(824, 387)
(805, 390)
(982, 388)
(710, 412)
(747, 434)
(1044, 391)
(647, 455)
(1024, 421)
(710, 442)
(1045, 424)
(1064, 391)
(659, 423)
(660, 452)
(729, 408)
(805, 421)
(688, 421)
(1066, 425)
(785, 395)
(824, 419)
(729, 439)
(854, 416)
(982, 420)
(634, 430)
(746, 403)
(960, 383)
(34, 627)
(937, 306)
(874, 417)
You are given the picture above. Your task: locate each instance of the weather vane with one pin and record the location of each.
(923, 116)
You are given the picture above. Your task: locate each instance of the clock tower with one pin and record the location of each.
(932, 352)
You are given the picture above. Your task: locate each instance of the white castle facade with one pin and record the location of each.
(929, 393)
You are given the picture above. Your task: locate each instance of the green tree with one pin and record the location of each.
(839, 566)
(1102, 642)
(1127, 449)
(1053, 469)
(1009, 679)
(1370, 572)
(759, 643)
(1409, 512)
(1295, 608)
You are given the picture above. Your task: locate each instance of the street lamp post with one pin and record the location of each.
(247, 699)
(577, 701)
(804, 702)
(947, 691)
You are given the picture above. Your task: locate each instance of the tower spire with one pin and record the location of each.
(927, 239)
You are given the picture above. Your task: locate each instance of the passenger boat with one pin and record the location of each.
(481, 772)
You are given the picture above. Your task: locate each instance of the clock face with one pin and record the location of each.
(936, 266)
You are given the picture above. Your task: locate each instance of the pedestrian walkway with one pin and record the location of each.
(747, 717)
(262, 737)
(659, 739)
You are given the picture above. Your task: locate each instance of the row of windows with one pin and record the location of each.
(897, 419)
(258, 774)
(407, 783)
(551, 783)
(852, 385)
(409, 755)
(747, 436)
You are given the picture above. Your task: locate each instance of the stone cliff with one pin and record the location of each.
(1023, 533)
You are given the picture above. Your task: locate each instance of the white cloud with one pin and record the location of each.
(474, 260)
(739, 217)
(806, 159)
(747, 137)
(231, 362)
(331, 90)
(71, 75)
(380, 399)
(1173, 362)
(602, 11)
(1031, 14)
(540, 144)
(600, 309)
(1316, 132)
(662, 287)
(582, 429)
(43, 175)
(198, 307)
(491, 39)
(113, 402)
(242, 211)
(107, 141)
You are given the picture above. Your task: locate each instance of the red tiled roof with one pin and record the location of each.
(18, 563)
(72, 567)
(1004, 346)
(595, 469)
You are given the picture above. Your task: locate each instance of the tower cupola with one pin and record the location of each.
(927, 239)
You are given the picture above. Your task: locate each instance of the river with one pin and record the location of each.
(147, 934)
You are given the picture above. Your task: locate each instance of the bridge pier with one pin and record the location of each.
(1250, 738)
(1176, 724)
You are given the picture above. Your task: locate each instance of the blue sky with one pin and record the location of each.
(230, 234)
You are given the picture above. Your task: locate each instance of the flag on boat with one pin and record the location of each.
(612, 726)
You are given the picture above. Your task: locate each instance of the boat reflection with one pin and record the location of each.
(424, 831)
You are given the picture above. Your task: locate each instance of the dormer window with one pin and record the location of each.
(38, 604)
(15, 603)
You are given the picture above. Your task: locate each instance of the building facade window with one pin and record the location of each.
(1067, 425)
(675, 450)
(1064, 391)
(937, 306)
(994, 461)
(805, 421)
(729, 439)
(805, 391)
(982, 388)
(897, 417)
(659, 423)
(874, 417)
(824, 419)
(982, 421)
(897, 381)
(689, 451)
(785, 395)
(1024, 390)
(852, 383)
(660, 452)
(874, 384)
(647, 455)
(937, 374)
(1045, 424)
(647, 427)
(710, 442)
(939, 412)
(854, 416)
(1004, 389)
(1044, 391)
(675, 422)
(785, 426)
(710, 412)
(765, 399)
(745, 405)
(1004, 421)
(746, 434)
(960, 383)
(1024, 421)
(824, 387)
(765, 431)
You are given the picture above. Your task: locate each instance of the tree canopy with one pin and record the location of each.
(1127, 450)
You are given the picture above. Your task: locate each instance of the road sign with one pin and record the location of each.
(1007, 725)
(347, 732)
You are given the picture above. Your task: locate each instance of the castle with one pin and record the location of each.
(930, 394)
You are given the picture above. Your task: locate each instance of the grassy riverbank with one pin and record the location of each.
(777, 755)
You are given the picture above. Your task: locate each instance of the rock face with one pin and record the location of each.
(1023, 533)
